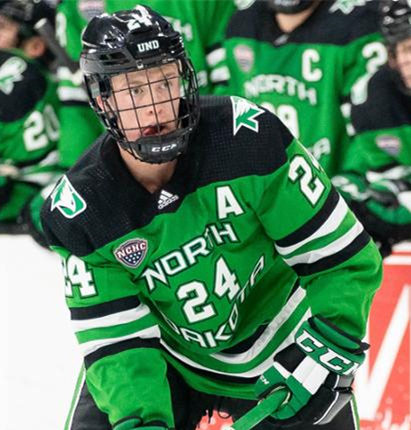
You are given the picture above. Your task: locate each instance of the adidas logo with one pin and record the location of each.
(166, 199)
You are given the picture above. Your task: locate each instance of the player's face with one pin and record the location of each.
(147, 101)
(8, 33)
(403, 60)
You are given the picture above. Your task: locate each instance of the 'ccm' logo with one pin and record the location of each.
(148, 46)
(329, 358)
(164, 148)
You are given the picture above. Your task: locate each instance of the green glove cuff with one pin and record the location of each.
(342, 355)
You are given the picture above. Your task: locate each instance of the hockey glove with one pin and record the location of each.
(383, 206)
(318, 370)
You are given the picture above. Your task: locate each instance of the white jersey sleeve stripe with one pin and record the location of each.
(148, 333)
(214, 57)
(333, 222)
(331, 249)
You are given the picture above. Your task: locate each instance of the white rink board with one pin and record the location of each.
(39, 358)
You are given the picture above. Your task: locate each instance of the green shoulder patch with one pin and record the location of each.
(244, 114)
(66, 199)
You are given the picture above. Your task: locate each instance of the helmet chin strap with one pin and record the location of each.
(290, 7)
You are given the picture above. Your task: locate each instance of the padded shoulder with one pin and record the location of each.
(22, 85)
(99, 201)
(385, 107)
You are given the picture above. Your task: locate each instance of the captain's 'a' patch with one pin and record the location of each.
(244, 114)
(66, 199)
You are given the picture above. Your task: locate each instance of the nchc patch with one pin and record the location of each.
(132, 252)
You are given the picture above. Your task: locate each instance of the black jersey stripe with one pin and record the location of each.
(245, 344)
(104, 309)
(325, 263)
(118, 347)
(213, 47)
(314, 223)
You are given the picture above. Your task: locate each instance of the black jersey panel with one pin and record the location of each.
(329, 24)
(22, 85)
(386, 106)
(118, 204)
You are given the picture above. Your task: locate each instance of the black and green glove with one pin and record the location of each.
(317, 370)
(382, 204)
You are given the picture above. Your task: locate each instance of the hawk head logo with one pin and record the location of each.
(66, 199)
(244, 114)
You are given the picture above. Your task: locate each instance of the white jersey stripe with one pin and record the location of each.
(94, 345)
(331, 249)
(333, 222)
(219, 75)
(112, 319)
(66, 94)
(214, 57)
(270, 331)
(252, 373)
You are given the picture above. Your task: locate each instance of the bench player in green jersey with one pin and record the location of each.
(201, 23)
(29, 126)
(207, 258)
(378, 182)
(302, 59)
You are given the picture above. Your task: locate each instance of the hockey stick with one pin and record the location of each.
(265, 408)
(45, 29)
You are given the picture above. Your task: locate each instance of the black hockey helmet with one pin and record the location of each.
(290, 6)
(395, 20)
(396, 27)
(140, 40)
(27, 13)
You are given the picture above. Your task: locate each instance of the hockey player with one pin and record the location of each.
(200, 22)
(29, 126)
(202, 247)
(378, 185)
(302, 59)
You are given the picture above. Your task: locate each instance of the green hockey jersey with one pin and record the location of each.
(200, 22)
(29, 132)
(211, 274)
(307, 76)
(378, 161)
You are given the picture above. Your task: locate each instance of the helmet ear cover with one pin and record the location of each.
(99, 87)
